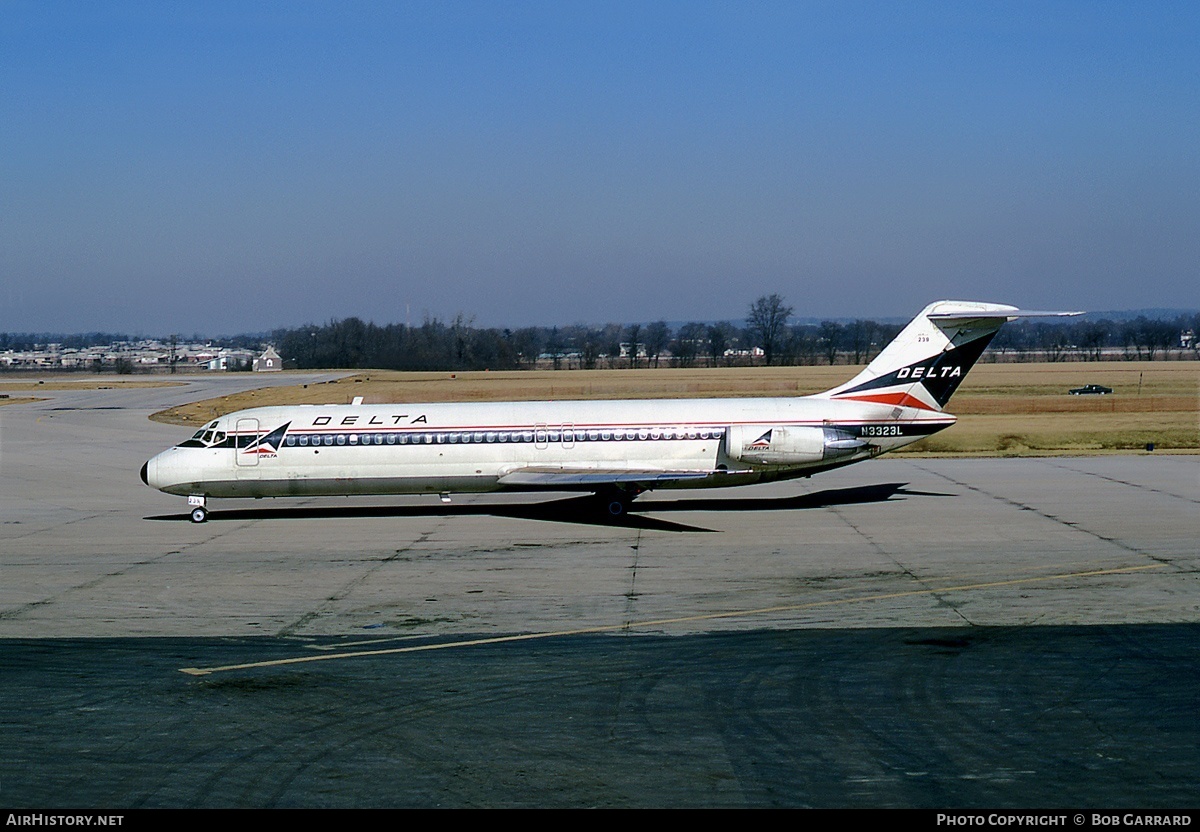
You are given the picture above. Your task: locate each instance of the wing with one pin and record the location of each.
(589, 478)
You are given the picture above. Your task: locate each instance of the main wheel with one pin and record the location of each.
(616, 508)
(199, 514)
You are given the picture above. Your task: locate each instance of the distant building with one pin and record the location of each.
(225, 359)
(268, 362)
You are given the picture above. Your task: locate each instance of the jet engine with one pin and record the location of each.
(791, 445)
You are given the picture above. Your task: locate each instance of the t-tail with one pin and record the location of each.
(931, 356)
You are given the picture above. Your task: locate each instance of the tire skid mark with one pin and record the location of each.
(884, 553)
(355, 583)
(18, 611)
(1048, 516)
(1119, 481)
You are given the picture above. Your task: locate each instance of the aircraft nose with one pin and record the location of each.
(145, 466)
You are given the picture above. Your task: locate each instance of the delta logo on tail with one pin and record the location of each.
(927, 384)
(267, 446)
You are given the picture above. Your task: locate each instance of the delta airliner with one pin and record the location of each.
(616, 449)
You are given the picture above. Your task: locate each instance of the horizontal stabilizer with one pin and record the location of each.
(998, 315)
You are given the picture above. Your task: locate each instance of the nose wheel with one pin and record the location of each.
(198, 507)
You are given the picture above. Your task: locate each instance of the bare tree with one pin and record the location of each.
(1052, 340)
(687, 343)
(590, 349)
(634, 334)
(528, 343)
(718, 341)
(554, 346)
(658, 335)
(1092, 338)
(858, 339)
(832, 334)
(767, 323)
(805, 344)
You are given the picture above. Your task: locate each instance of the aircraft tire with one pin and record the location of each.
(199, 514)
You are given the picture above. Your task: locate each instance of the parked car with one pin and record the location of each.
(1091, 390)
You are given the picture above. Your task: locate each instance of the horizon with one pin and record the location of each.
(1121, 316)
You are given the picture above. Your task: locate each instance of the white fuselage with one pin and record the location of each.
(571, 445)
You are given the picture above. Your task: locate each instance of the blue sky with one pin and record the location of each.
(228, 167)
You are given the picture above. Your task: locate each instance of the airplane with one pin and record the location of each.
(615, 449)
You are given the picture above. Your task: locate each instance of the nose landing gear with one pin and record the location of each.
(199, 509)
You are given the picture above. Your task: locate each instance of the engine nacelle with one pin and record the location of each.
(791, 445)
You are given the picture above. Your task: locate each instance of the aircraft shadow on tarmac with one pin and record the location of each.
(584, 510)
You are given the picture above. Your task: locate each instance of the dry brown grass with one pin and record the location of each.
(1006, 409)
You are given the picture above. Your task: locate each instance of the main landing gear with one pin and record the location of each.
(615, 502)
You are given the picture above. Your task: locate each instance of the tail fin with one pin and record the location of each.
(931, 356)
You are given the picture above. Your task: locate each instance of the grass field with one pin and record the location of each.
(1004, 409)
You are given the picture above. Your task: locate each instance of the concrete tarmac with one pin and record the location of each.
(932, 633)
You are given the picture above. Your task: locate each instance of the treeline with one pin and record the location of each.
(765, 337)
(1140, 339)
(24, 341)
(31, 340)
(434, 345)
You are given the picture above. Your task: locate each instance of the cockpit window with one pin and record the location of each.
(205, 438)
